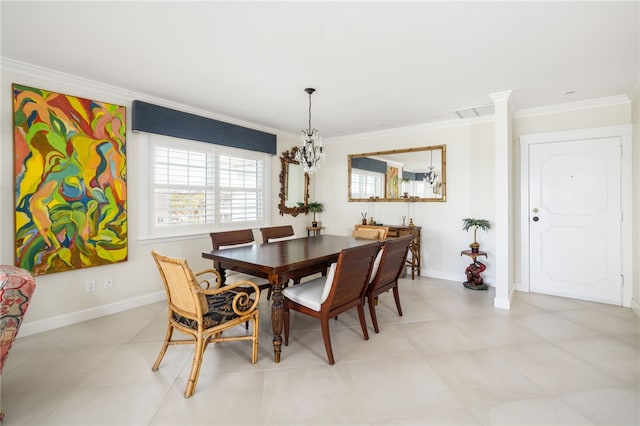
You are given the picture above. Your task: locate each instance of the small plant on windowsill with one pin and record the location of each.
(468, 223)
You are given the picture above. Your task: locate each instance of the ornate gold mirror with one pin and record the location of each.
(413, 174)
(294, 185)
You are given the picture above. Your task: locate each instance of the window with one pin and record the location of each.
(196, 187)
(365, 184)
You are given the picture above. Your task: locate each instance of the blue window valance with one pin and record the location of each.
(370, 164)
(165, 121)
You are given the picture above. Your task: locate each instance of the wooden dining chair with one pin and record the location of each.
(371, 232)
(277, 233)
(342, 289)
(239, 238)
(385, 274)
(203, 310)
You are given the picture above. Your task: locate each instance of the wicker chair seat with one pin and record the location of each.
(220, 311)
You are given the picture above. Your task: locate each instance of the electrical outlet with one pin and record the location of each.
(108, 282)
(91, 286)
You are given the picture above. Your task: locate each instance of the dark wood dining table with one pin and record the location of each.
(278, 261)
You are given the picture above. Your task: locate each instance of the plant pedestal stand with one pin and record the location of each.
(474, 271)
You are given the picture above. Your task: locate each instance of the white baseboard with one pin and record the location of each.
(451, 277)
(635, 307)
(441, 275)
(36, 327)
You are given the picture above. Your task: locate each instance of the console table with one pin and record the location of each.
(395, 231)
(315, 230)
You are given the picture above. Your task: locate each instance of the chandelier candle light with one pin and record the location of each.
(310, 154)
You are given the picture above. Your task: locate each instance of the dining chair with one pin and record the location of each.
(371, 233)
(239, 238)
(342, 289)
(202, 309)
(277, 233)
(388, 267)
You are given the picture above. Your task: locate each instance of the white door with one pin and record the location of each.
(575, 219)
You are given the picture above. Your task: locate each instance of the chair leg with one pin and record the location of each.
(324, 323)
(396, 296)
(286, 317)
(372, 310)
(163, 350)
(363, 323)
(195, 367)
(254, 352)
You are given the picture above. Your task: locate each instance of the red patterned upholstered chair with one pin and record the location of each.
(16, 288)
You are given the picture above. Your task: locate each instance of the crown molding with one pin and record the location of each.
(58, 77)
(109, 91)
(573, 106)
(413, 129)
(501, 96)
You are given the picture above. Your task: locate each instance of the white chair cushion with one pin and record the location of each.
(312, 293)
(376, 265)
(307, 293)
(275, 240)
(250, 243)
(329, 282)
(234, 276)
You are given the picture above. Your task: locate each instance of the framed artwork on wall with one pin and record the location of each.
(70, 181)
(392, 182)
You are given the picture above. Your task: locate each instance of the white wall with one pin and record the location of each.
(61, 298)
(470, 191)
(597, 113)
(635, 302)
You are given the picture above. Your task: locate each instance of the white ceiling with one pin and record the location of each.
(375, 65)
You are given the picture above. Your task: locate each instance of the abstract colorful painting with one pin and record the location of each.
(70, 181)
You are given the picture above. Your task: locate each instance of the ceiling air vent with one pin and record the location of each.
(476, 111)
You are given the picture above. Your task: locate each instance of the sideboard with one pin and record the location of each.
(414, 259)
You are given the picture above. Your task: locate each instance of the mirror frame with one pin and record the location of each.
(287, 158)
(443, 148)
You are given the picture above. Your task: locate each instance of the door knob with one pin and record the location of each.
(536, 218)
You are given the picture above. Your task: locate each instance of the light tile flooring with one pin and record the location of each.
(452, 359)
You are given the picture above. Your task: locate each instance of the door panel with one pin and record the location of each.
(574, 219)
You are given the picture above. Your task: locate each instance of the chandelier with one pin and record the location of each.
(310, 154)
(431, 175)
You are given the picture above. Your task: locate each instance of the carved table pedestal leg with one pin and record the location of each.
(277, 319)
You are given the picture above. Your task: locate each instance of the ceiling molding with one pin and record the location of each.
(109, 91)
(413, 129)
(573, 106)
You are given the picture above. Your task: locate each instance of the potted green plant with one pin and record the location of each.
(406, 181)
(468, 223)
(315, 207)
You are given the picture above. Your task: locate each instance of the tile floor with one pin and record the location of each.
(452, 359)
